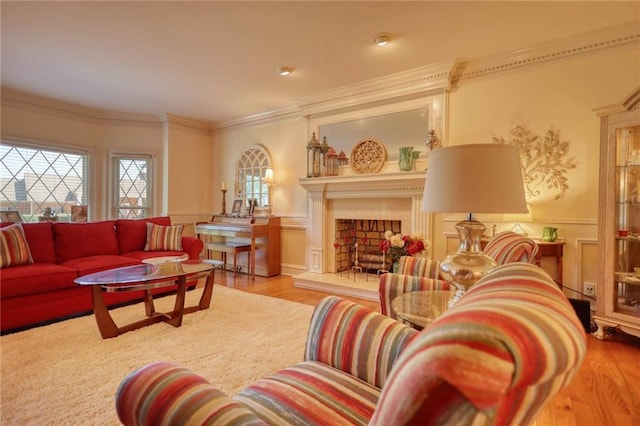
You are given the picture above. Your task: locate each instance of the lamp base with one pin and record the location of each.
(465, 267)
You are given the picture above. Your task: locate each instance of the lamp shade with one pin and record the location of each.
(474, 178)
(268, 176)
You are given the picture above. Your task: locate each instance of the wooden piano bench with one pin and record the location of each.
(235, 248)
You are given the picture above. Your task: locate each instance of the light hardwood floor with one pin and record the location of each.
(605, 392)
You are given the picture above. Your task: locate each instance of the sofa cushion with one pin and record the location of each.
(41, 242)
(311, 393)
(14, 249)
(90, 264)
(74, 240)
(36, 278)
(132, 234)
(163, 237)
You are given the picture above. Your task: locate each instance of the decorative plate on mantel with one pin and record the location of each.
(368, 156)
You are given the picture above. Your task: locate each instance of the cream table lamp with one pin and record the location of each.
(472, 178)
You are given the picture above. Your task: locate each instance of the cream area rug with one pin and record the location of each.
(66, 374)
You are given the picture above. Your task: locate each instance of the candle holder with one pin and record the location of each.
(356, 264)
(224, 201)
(383, 267)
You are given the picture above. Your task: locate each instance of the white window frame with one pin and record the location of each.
(114, 182)
(87, 187)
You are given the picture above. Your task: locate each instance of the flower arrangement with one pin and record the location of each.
(396, 245)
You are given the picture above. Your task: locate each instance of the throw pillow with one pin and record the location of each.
(14, 249)
(161, 238)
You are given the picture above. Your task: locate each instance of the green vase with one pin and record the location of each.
(394, 267)
(406, 159)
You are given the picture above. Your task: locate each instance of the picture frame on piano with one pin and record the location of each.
(237, 207)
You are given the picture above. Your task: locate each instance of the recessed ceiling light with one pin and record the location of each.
(285, 70)
(382, 39)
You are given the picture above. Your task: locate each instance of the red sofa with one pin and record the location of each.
(44, 291)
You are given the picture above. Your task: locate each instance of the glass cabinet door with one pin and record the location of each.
(626, 281)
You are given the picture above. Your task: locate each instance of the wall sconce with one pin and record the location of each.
(268, 177)
(269, 180)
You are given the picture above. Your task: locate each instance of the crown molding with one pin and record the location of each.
(290, 111)
(630, 103)
(606, 39)
(399, 86)
(74, 112)
(184, 123)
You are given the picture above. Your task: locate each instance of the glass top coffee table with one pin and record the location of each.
(146, 277)
(420, 308)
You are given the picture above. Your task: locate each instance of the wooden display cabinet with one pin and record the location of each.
(618, 290)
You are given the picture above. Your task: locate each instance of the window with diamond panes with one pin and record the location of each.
(132, 195)
(250, 171)
(34, 179)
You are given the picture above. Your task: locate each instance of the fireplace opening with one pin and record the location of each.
(362, 236)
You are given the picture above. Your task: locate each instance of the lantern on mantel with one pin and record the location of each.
(332, 162)
(343, 159)
(324, 148)
(313, 157)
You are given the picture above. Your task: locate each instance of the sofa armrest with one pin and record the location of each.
(165, 393)
(192, 246)
(394, 285)
(356, 340)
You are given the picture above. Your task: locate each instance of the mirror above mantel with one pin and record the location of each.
(405, 124)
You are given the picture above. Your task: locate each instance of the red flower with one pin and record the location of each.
(384, 245)
(364, 240)
(336, 245)
(415, 247)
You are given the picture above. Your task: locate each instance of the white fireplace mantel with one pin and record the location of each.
(400, 184)
(380, 191)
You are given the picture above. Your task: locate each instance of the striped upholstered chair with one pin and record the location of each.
(415, 273)
(495, 358)
(508, 246)
(504, 247)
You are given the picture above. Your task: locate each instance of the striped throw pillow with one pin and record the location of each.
(167, 238)
(14, 249)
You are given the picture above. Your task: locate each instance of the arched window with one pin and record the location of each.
(251, 169)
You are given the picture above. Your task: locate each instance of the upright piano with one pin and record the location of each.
(262, 232)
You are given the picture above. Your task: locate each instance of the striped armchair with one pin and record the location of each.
(504, 247)
(495, 358)
(507, 247)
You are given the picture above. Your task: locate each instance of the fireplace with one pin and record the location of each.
(362, 237)
(376, 197)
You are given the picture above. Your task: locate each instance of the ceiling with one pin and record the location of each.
(216, 61)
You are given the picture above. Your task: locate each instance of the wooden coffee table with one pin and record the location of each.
(146, 277)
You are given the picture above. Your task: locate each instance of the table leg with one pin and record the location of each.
(178, 309)
(253, 259)
(106, 325)
(205, 299)
(148, 303)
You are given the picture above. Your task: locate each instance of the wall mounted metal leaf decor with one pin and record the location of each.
(543, 160)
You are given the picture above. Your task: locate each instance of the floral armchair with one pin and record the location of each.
(417, 273)
(496, 358)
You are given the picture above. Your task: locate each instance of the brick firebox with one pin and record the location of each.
(367, 233)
